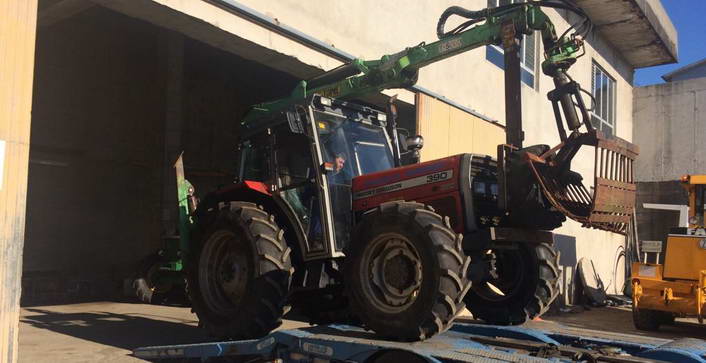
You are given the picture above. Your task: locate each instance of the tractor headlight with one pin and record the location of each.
(325, 101)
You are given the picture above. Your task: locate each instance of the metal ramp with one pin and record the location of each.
(462, 343)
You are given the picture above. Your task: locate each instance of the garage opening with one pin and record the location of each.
(116, 99)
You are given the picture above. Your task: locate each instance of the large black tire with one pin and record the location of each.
(405, 273)
(650, 320)
(528, 278)
(240, 273)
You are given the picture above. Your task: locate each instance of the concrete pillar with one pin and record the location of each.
(18, 22)
(173, 53)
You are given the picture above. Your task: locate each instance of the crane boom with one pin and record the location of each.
(400, 70)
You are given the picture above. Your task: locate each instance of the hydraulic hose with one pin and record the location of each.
(462, 12)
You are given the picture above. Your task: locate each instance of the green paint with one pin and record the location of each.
(400, 70)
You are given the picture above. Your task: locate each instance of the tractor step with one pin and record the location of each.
(464, 342)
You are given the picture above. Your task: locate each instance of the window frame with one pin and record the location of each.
(495, 54)
(608, 99)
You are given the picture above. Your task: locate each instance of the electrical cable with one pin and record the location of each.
(615, 266)
(476, 16)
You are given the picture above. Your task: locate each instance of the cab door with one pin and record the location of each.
(333, 186)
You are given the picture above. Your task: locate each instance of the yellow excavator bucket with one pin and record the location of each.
(611, 204)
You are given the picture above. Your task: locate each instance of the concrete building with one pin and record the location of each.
(121, 87)
(672, 125)
(690, 71)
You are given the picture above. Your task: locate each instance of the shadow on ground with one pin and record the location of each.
(619, 320)
(125, 331)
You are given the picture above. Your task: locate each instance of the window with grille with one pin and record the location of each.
(495, 54)
(603, 90)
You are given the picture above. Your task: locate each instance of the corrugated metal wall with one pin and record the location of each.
(18, 23)
(448, 130)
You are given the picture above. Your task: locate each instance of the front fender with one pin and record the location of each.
(258, 193)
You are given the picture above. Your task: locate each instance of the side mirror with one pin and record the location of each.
(414, 143)
(402, 135)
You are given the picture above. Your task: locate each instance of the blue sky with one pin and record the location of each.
(689, 17)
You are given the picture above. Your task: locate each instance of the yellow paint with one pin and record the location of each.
(448, 130)
(651, 291)
(684, 259)
(697, 179)
(18, 23)
(679, 286)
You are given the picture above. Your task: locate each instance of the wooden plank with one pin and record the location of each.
(448, 130)
(18, 21)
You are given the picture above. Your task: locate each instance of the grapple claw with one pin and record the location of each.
(611, 204)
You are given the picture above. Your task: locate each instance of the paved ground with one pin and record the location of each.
(107, 331)
(103, 331)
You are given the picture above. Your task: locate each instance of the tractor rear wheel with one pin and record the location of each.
(522, 284)
(405, 273)
(240, 273)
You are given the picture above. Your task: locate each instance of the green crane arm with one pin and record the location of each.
(400, 70)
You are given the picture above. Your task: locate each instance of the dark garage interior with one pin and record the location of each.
(116, 100)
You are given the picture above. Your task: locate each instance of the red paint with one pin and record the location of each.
(456, 215)
(247, 184)
(425, 193)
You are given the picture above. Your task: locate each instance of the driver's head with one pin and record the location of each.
(339, 162)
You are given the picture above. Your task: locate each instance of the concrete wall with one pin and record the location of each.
(670, 128)
(474, 82)
(654, 224)
(18, 22)
(111, 93)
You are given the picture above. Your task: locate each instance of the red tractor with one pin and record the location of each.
(323, 216)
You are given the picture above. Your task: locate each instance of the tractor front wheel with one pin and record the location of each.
(405, 273)
(522, 282)
(240, 273)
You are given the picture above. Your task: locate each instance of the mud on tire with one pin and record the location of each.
(405, 273)
(537, 267)
(239, 273)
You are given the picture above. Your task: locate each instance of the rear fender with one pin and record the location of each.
(258, 193)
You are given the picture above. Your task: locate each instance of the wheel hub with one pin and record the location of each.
(504, 278)
(224, 273)
(395, 272)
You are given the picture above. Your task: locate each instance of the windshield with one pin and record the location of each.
(353, 147)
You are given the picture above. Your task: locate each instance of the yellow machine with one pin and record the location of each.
(677, 288)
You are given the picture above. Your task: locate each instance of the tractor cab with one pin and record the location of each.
(308, 156)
